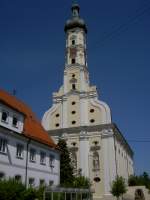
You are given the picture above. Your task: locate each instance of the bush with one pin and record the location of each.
(11, 190)
(118, 187)
(143, 179)
(29, 194)
(81, 182)
(15, 190)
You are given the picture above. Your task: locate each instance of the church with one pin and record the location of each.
(98, 148)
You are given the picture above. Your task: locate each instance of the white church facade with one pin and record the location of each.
(98, 148)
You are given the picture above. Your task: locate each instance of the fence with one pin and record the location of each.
(57, 193)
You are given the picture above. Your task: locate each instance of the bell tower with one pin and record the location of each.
(78, 116)
(76, 53)
(76, 103)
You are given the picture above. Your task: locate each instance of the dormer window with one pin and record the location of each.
(73, 61)
(15, 122)
(5, 116)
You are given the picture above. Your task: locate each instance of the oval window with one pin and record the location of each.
(92, 120)
(97, 179)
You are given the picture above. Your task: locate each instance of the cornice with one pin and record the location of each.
(82, 94)
(105, 130)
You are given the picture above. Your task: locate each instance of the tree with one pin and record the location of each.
(81, 182)
(143, 179)
(66, 169)
(118, 187)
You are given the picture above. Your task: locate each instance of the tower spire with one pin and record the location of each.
(75, 10)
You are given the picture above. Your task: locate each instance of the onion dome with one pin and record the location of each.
(75, 21)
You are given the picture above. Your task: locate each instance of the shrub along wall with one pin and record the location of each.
(14, 190)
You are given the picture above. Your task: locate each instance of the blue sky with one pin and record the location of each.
(32, 47)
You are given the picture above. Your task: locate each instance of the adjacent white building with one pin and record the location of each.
(99, 150)
(27, 153)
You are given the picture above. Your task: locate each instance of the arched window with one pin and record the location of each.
(73, 61)
(18, 178)
(73, 42)
(96, 164)
(73, 86)
(2, 175)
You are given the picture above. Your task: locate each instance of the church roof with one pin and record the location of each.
(76, 21)
(32, 127)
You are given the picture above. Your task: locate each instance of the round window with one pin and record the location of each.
(92, 110)
(97, 179)
(92, 120)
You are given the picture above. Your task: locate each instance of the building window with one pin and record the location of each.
(19, 151)
(51, 183)
(31, 182)
(57, 125)
(91, 110)
(32, 155)
(43, 158)
(18, 178)
(15, 122)
(73, 86)
(73, 122)
(2, 175)
(73, 61)
(73, 75)
(73, 42)
(5, 116)
(73, 103)
(74, 144)
(51, 161)
(57, 115)
(92, 120)
(95, 142)
(73, 112)
(42, 182)
(3, 145)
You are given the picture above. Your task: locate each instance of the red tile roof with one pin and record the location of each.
(32, 127)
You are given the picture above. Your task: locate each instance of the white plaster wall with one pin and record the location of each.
(109, 162)
(84, 152)
(124, 161)
(84, 112)
(10, 165)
